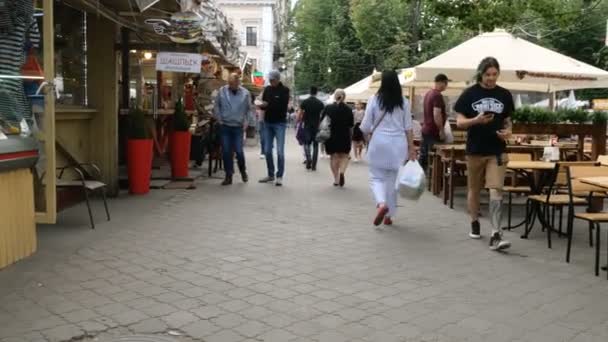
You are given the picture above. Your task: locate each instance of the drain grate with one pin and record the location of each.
(143, 338)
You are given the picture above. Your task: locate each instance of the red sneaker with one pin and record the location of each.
(382, 211)
(388, 221)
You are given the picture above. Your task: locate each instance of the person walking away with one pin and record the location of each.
(358, 137)
(232, 106)
(484, 110)
(310, 116)
(339, 143)
(275, 102)
(434, 119)
(389, 121)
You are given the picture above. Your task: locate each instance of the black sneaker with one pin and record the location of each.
(497, 243)
(244, 176)
(475, 230)
(227, 181)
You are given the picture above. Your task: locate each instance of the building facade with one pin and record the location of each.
(261, 26)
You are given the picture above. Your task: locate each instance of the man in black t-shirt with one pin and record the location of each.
(310, 115)
(485, 111)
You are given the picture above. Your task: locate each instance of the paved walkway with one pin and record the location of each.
(299, 263)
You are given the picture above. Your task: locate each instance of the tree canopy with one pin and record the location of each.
(352, 37)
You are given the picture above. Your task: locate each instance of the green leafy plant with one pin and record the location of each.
(137, 124)
(521, 115)
(599, 117)
(576, 116)
(180, 118)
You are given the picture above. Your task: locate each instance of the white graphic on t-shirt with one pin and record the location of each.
(488, 105)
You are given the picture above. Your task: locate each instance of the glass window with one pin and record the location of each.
(252, 36)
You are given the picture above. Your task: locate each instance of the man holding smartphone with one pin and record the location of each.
(485, 110)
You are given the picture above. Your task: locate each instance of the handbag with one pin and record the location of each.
(324, 129)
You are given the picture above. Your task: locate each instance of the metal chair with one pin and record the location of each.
(86, 185)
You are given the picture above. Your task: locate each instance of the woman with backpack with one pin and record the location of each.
(389, 122)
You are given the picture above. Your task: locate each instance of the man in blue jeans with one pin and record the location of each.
(232, 106)
(275, 101)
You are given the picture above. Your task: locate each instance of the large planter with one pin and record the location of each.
(597, 132)
(180, 153)
(139, 165)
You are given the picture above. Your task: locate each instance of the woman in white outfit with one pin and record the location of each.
(389, 120)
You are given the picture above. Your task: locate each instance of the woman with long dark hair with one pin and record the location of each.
(389, 122)
(484, 110)
(339, 143)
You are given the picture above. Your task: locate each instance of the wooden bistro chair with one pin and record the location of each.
(513, 188)
(554, 197)
(88, 181)
(594, 219)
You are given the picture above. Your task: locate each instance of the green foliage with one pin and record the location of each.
(544, 116)
(599, 117)
(180, 118)
(577, 116)
(137, 128)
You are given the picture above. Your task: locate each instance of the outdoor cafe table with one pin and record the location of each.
(600, 182)
(530, 169)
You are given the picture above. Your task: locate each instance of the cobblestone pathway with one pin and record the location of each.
(299, 263)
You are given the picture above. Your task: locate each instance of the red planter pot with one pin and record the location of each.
(180, 154)
(139, 165)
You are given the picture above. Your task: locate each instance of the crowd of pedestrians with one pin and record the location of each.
(382, 130)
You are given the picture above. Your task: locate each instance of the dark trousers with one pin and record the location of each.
(232, 142)
(311, 147)
(426, 146)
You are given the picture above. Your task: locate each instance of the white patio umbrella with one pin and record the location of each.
(524, 66)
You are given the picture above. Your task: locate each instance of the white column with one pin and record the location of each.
(267, 40)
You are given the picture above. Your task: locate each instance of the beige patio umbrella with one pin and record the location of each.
(524, 66)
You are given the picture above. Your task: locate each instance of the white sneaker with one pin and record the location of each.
(497, 243)
(279, 182)
(262, 156)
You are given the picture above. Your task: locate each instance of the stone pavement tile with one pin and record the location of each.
(92, 327)
(208, 312)
(378, 322)
(305, 328)
(200, 329)
(332, 336)
(279, 320)
(551, 332)
(158, 310)
(80, 315)
(277, 335)
(329, 321)
(225, 336)
(124, 296)
(214, 298)
(305, 288)
(256, 312)
(194, 292)
(587, 337)
(112, 309)
(235, 305)
(47, 323)
(229, 320)
(149, 326)
(355, 330)
(258, 299)
(179, 319)
(352, 314)
(252, 329)
(241, 293)
(327, 306)
(63, 333)
(129, 317)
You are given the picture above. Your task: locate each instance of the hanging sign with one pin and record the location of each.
(600, 104)
(179, 62)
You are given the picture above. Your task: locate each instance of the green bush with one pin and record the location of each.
(181, 123)
(599, 117)
(576, 116)
(137, 124)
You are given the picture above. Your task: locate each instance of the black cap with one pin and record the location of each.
(441, 78)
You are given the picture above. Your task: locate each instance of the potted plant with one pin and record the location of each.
(139, 153)
(180, 142)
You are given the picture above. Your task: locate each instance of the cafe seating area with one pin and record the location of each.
(557, 185)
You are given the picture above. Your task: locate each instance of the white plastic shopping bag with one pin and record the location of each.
(447, 131)
(411, 181)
